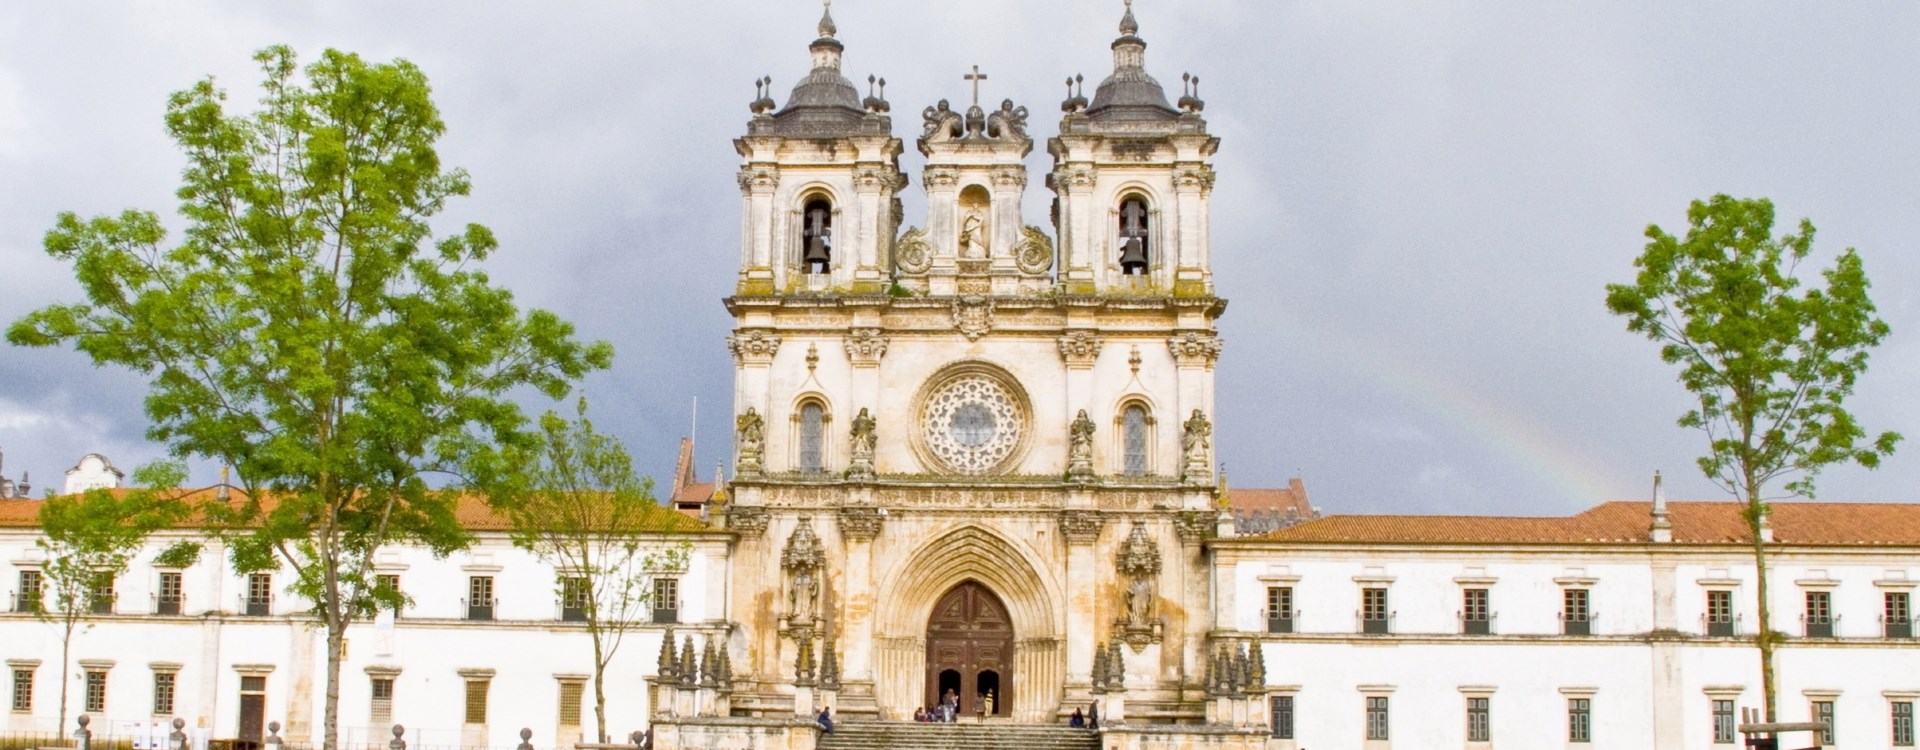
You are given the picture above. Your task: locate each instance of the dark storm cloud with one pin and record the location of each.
(1418, 203)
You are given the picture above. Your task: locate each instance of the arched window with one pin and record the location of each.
(812, 435)
(1133, 437)
(816, 236)
(1136, 249)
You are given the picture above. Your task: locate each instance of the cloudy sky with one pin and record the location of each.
(1419, 203)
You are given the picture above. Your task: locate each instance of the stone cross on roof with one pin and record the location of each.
(976, 77)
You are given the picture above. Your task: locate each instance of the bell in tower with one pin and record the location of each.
(819, 237)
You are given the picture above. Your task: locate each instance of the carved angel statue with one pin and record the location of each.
(942, 123)
(1009, 123)
(973, 240)
(751, 439)
(1139, 601)
(863, 434)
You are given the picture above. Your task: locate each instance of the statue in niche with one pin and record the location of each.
(973, 231)
(1140, 602)
(942, 123)
(805, 589)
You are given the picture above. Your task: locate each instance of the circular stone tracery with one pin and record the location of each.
(972, 424)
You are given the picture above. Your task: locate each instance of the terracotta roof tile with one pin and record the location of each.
(472, 511)
(1627, 522)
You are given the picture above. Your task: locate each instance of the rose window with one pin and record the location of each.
(972, 424)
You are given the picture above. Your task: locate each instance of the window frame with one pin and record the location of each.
(474, 702)
(36, 601)
(166, 683)
(665, 587)
(1379, 719)
(1900, 714)
(1136, 439)
(1479, 718)
(170, 593)
(1483, 624)
(1375, 611)
(1580, 719)
(259, 594)
(1722, 711)
(1824, 709)
(1720, 616)
(380, 707)
(810, 437)
(1896, 615)
(1576, 611)
(481, 602)
(21, 697)
(94, 691)
(1279, 611)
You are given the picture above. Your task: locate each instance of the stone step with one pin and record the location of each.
(861, 735)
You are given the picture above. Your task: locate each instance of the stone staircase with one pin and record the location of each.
(867, 735)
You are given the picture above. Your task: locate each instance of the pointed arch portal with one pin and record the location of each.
(970, 648)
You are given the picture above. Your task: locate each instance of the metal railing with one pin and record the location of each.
(1282, 624)
(1901, 627)
(1578, 625)
(1476, 625)
(479, 609)
(1720, 627)
(1819, 626)
(1376, 625)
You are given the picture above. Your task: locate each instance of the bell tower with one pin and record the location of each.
(1132, 177)
(819, 178)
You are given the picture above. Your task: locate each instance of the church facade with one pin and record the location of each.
(962, 418)
(973, 466)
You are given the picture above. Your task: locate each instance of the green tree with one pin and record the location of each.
(1770, 364)
(310, 332)
(89, 539)
(584, 511)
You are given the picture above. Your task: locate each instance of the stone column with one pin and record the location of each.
(859, 525)
(1008, 185)
(1081, 239)
(757, 184)
(1080, 529)
(1079, 349)
(753, 352)
(1191, 248)
(1192, 576)
(869, 182)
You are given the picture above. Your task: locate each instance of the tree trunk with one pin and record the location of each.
(1764, 638)
(599, 682)
(336, 638)
(66, 676)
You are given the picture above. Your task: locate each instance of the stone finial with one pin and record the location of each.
(1116, 668)
(526, 739)
(1101, 668)
(669, 668)
(273, 734)
(708, 666)
(689, 670)
(397, 743)
(177, 739)
(83, 737)
(1662, 528)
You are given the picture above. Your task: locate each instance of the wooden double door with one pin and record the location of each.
(970, 650)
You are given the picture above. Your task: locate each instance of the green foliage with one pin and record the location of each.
(582, 508)
(181, 554)
(1770, 364)
(309, 331)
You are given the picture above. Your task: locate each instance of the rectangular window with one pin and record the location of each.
(163, 693)
(260, 594)
(96, 690)
(1903, 723)
(1722, 722)
(1279, 609)
(1373, 610)
(23, 691)
(29, 599)
(574, 598)
(666, 600)
(389, 584)
(100, 593)
(1377, 717)
(171, 593)
(480, 598)
(1576, 617)
(1819, 614)
(382, 714)
(1579, 719)
(1720, 614)
(1899, 615)
(253, 683)
(1479, 720)
(1282, 716)
(1823, 711)
(1476, 613)
(570, 692)
(477, 701)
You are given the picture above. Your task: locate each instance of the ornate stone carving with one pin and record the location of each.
(1195, 348)
(1008, 177)
(871, 179)
(1081, 526)
(1196, 444)
(1080, 348)
(751, 437)
(1034, 254)
(749, 520)
(829, 660)
(669, 667)
(860, 465)
(803, 664)
(973, 235)
(803, 559)
(941, 123)
(1009, 123)
(912, 253)
(861, 522)
(753, 347)
(973, 316)
(1139, 562)
(865, 346)
(940, 178)
(1193, 177)
(759, 180)
(1080, 449)
(1194, 525)
(1075, 178)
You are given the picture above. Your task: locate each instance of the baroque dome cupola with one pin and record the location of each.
(822, 103)
(1129, 93)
